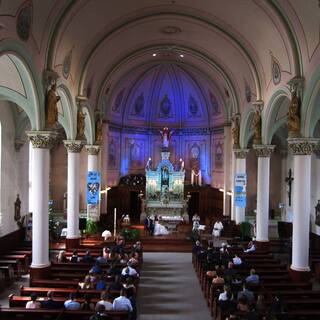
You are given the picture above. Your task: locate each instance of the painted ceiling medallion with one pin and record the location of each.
(138, 106)
(66, 65)
(24, 21)
(165, 107)
(171, 30)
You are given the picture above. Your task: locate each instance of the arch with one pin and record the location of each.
(33, 99)
(245, 126)
(270, 123)
(310, 109)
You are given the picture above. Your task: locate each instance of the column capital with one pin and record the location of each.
(263, 150)
(302, 146)
(73, 146)
(240, 153)
(43, 139)
(93, 150)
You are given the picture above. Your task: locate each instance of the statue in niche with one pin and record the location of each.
(166, 135)
(257, 127)
(235, 131)
(80, 125)
(51, 107)
(165, 176)
(138, 106)
(165, 107)
(219, 156)
(193, 107)
(293, 117)
(98, 127)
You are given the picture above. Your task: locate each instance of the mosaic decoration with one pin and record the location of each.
(276, 71)
(214, 104)
(118, 100)
(247, 90)
(66, 65)
(219, 156)
(165, 107)
(193, 107)
(138, 106)
(24, 21)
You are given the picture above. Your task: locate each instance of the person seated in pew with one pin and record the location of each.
(33, 303)
(105, 300)
(218, 279)
(237, 261)
(75, 258)
(276, 307)
(86, 284)
(100, 313)
(61, 257)
(246, 293)
(50, 303)
(87, 304)
(96, 269)
(226, 300)
(229, 273)
(119, 247)
(122, 258)
(243, 304)
(122, 303)
(106, 253)
(251, 247)
(88, 258)
(261, 306)
(71, 303)
(197, 247)
(128, 271)
(130, 287)
(101, 259)
(253, 277)
(134, 259)
(137, 247)
(101, 284)
(115, 285)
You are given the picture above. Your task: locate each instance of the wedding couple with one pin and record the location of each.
(157, 228)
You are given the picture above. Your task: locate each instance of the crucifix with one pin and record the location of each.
(289, 180)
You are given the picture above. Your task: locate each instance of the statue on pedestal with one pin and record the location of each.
(51, 107)
(293, 117)
(257, 127)
(166, 135)
(235, 131)
(80, 125)
(149, 165)
(98, 127)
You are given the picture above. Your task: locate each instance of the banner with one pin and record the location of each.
(240, 184)
(93, 187)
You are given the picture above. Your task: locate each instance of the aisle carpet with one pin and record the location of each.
(169, 289)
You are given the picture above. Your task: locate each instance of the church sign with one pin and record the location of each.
(93, 187)
(240, 184)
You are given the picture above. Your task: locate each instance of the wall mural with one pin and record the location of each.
(112, 153)
(165, 110)
(193, 107)
(136, 153)
(138, 107)
(276, 71)
(117, 102)
(218, 156)
(214, 104)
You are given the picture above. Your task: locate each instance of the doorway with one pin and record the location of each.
(135, 206)
(193, 204)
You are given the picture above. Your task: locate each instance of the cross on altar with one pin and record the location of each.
(289, 180)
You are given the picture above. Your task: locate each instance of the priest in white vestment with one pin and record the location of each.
(217, 228)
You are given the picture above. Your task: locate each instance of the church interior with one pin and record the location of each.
(149, 143)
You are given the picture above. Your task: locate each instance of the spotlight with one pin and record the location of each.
(154, 54)
(181, 55)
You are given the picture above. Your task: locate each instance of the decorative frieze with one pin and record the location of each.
(240, 153)
(74, 146)
(263, 150)
(43, 139)
(93, 150)
(302, 146)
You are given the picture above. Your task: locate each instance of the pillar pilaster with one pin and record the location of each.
(301, 149)
(263, 153)
(42, 142)
(74, 148)
(240, 168)
(227, 170)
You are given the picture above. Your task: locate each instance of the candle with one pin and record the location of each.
(115, 223)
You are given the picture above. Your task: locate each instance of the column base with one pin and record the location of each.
(72, 243)
(262, 246)
(299, 276)
(39, 273)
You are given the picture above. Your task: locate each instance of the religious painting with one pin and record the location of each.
(214, 104)
(136, 153)
(117, 102)
(112, 152)
(24, 21)
(218, 156)
(276, 71)
(194, 156)
(193, 107)
(165, 107)
(138, 106)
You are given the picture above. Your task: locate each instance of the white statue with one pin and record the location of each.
(166, 134)
(149, 164)
(181, 165)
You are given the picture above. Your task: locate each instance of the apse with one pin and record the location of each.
(165, 94)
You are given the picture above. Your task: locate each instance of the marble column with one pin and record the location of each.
(301, 149)
(240, 168)
(74, 148)
(263, 179)
(41, 141)
(233, 172)
(227, 170)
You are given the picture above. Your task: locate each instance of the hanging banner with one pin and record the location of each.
(93, 187)
(240, 185)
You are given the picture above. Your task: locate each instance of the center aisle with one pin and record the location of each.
(169, 289)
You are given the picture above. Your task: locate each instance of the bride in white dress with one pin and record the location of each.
(159, 229)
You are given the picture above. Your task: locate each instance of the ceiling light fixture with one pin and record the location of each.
(154, 54)
(181, 55)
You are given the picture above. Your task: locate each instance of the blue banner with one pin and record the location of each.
(93, 187)
(240, 184)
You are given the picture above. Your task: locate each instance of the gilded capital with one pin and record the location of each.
(43, 139)
(74, 146)
(302, 146)
(263, 150)
(240, 153)
(93, 150)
